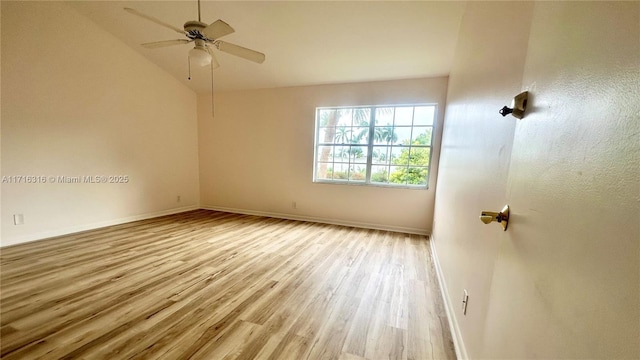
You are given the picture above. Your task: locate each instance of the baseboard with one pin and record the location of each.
(96, 225)
(458, 343)
(357, 224)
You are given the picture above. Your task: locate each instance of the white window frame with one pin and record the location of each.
(370, 146)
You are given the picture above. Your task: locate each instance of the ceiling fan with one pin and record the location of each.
(205, 38)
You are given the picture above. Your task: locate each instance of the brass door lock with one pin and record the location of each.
(518, 106)
(501, 217)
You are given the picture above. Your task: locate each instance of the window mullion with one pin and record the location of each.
(372, 124)
(413, 113)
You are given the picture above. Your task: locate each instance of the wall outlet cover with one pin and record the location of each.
(18, 219)
(465, 302)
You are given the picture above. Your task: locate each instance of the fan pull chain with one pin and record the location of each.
(213, 107)
(189, 65)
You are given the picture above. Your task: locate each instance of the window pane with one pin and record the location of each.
(419, 156)
(358, 154)
(421, 136)
(344, 117)
(397, 175)
(358, 173)
(404, 116)
(379, 174)
(402, 135)
(340, 171)
(384, 116)
(360, 135)
(361, 117)
(323, 171)
(424, 115)
(343, 135)
(326, 135)
(383, 135)
(381, 154)
(325, 153)
(416, 175)
(326, 117)
(400, 155)
(341, 153)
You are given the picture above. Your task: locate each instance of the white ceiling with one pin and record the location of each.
(306, 43)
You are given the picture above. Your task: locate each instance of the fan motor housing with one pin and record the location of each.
(194, 29)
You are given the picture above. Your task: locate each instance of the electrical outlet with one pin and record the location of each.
(18, 219)
(294, 205)
(178, 198)
(465, 302)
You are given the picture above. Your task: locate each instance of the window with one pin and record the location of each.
(374, 145)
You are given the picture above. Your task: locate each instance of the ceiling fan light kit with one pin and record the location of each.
(200, 56)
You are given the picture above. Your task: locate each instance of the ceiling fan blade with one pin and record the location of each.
(157, 21)
(159, 44)
(217, 30)
(240, 51)
(214, 61)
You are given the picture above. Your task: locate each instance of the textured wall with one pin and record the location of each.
(78, 102)
(563, 280)
(567, 276)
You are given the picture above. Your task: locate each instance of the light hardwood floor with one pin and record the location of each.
(213, 285)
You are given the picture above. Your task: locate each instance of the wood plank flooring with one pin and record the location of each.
(214, 285)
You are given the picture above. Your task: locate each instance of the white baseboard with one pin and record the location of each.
(96, 225)
(458, 343)
(357, 224)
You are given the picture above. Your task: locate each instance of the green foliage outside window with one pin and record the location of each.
(416, 157)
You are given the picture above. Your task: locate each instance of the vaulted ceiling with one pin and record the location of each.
(306, 43)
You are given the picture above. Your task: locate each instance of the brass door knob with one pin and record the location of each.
(501, 217)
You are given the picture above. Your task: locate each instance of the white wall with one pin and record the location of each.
(76, 101)
(563, 280)
(256, 155)
(476, 150)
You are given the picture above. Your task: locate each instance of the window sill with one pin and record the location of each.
(405, 187)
